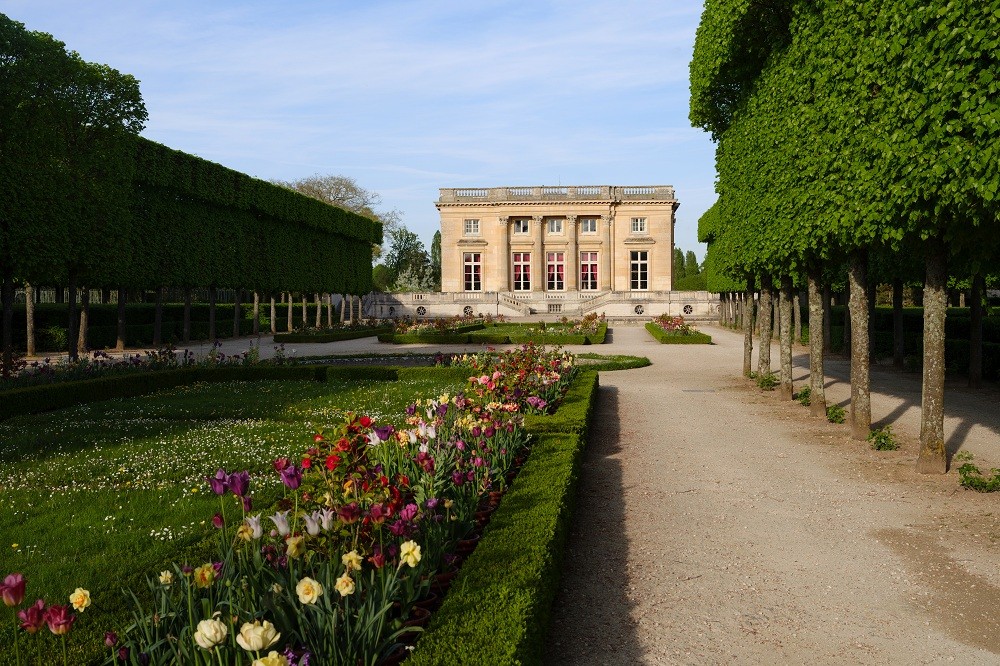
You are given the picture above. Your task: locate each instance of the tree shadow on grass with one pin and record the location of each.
(591, 613)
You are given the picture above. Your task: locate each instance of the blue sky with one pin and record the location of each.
(408, 97)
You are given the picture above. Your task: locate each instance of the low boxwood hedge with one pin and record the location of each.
(329, 336)
(453, 336)
(677, 339)
(499, 606)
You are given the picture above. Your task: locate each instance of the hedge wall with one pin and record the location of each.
(498, 609)
(329, 336)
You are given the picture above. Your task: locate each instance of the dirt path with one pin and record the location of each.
(715, 525)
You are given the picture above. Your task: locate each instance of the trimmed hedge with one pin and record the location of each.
(674, 339)
(49, 397)
(455, 336)
(331, 336)
(510, 333)
(499, 606)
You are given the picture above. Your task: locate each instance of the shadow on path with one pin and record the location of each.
(591, 619)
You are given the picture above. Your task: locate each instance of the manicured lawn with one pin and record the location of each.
(103, 494)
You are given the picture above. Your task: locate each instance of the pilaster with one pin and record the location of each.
(502, 258)
(538, 255)
(572, 255)
(606, 268)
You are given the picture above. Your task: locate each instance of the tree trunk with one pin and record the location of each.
(343, 308)
(329, 310)
(319, 311)
(797, 318)
(748, 328)
(122, 298)
(764, 355)
(211, 314)
(898, 345)
(827, 320)
(29, 317)
(817, 343)
(187, 316)
(71, 330)
(256, 313)
(290, 304)
(60, 294)
(861, 403)
(237, 314)
(274, 316)
(976, 331)
(785, 388)
(81, 342)
(305, 310)
(7, 299)
(158, 318)
(933, 458)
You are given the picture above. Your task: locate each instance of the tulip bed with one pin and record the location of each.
(675, 331)
(100, 494)
(369, 513)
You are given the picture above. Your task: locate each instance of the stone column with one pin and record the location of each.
(606, 267)
(538, 255)
(503, 256)
(572, 256)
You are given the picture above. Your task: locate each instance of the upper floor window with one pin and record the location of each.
(588, 225)
(638, 225)
(472, 227)
(555, 226)
(521, 226)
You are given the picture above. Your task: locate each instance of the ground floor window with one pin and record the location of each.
(555, 266)
(473, 265)
(588, 270)
(639, 270)
(522, 271)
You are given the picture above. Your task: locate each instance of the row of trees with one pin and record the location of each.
(87, 202)
(687, 273)
(858, 134)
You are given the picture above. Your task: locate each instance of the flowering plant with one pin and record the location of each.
(674, 325)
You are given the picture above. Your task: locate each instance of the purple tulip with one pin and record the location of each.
(247, 503)
(384, 432)
(123, 654)
(219, 482)
(239, 483)
(218, 522)
(408, 512)
(457, 478)
(291, 476)
(12, 589)
(110, 639)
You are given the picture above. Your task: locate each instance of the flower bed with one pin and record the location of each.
(74, 471)
(674, 330)
(373, 516)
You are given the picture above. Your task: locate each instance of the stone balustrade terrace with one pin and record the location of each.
(598, 193)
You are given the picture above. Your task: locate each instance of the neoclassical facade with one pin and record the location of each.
(569, 250)
(571, 243)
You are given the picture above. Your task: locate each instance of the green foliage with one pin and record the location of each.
(803, 396)
(610, 362)
(835, 414)
(330, 335)
(502, 619)
(767, 382)
(882, 439)
(970, 476)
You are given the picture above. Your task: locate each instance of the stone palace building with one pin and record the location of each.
(554, 250)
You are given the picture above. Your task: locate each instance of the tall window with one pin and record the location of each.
(473, 264)
(554, 270)
(520, 226)
(638, 225)
(588, 225)
(472, 227)
(522, 271)
(639, 269)
(588, 270)
(555, 226)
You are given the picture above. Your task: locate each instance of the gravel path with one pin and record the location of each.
(715, 525)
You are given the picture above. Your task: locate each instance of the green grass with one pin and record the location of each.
(101, 495)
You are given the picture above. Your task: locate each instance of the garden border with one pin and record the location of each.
(499, 607)
(665, 338)
(331, 336)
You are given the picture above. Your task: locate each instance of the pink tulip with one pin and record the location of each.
(33, 617)
(59, 619)
(12, 589)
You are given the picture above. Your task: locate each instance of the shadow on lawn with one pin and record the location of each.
(590, 615)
